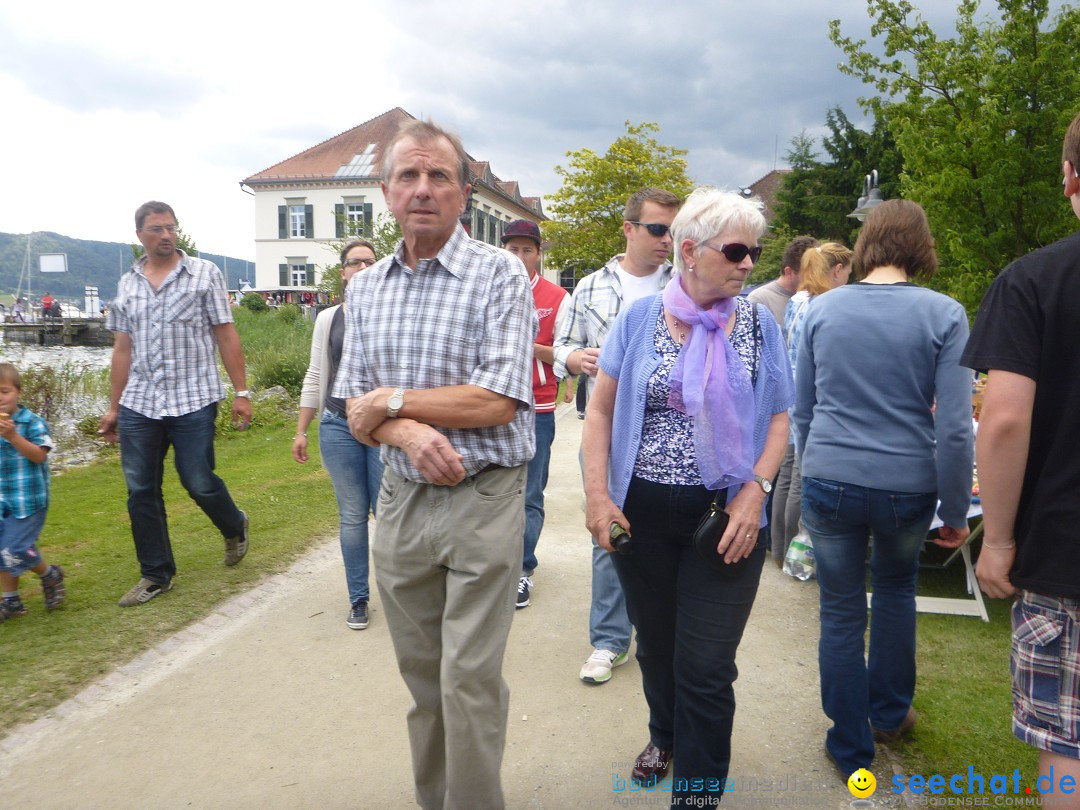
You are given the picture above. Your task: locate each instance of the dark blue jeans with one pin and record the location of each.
(689, 621)
(534, 488)
(857, 694)
(143, 445)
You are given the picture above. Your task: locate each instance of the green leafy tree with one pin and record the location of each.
(818, 195)
(796, 199)
(384, 235)
(586, 226)
(978, 119)
(772, 253)
(183, 241)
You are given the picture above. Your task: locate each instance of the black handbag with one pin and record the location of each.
(708, 533)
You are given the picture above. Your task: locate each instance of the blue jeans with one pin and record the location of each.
(143, 445)
(609, 623)
(534, 489)
(857, 694)
(355, 471)
(690, 620)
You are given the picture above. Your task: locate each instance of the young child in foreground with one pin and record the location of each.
(24, 498)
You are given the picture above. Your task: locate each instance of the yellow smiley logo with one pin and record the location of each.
(862, 784)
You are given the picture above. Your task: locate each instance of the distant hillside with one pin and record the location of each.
(89, 262)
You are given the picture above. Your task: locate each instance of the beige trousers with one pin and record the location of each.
(447, 561)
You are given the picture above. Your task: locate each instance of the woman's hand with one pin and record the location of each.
(600, 513)
(299, 448)
(744, 513)
(952, 537)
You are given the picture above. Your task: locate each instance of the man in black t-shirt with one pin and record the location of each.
(1027, 336)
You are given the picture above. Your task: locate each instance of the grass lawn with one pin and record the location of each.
(963, 694)
(46, 658)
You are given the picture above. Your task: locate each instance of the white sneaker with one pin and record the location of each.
(597, 668)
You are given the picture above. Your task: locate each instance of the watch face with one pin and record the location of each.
(396, 401)
(766, 484)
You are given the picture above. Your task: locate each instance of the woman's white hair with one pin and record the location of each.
(709, 212)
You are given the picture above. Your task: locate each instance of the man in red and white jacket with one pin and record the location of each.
(522, 238)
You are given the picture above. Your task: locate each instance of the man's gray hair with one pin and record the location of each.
(426, 132)
(709, 212)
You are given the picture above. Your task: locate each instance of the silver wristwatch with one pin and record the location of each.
(395, 403)
(766, 484)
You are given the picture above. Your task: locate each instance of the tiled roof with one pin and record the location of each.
(324, 161)
(766, 189)
(357, 153)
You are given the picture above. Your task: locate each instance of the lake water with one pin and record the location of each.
(71, 446)
(25, 355)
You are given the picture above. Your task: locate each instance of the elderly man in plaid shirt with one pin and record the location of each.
(598, 298)
(171, 318)
(436, 367)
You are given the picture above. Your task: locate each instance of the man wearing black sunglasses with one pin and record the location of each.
(775, 294)
(641, 271)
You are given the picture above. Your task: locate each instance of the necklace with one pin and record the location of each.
(678, 328)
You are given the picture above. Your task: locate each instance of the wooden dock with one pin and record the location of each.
(60, 331)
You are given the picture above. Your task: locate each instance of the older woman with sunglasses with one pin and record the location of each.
(355, 469)
(696, 387)
(883, 428)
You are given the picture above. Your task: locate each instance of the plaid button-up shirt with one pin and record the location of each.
(173, 346)
(465, 317)
(594, 306)
(24, 485)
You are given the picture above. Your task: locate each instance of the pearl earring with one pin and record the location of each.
(690, 269)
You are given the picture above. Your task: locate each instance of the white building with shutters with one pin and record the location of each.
(306, 203)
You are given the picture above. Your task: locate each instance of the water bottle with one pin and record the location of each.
(799, 560)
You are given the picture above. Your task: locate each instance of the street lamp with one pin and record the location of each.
(870, 199)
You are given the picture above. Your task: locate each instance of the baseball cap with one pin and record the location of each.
(522, 227)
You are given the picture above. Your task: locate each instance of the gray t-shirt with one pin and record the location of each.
(774, 298)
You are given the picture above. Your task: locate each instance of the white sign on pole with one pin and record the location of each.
(53, 262)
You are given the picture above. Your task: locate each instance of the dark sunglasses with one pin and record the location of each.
(735, 252)
(654, 228)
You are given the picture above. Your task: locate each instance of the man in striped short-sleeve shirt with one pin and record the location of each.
(171, 317)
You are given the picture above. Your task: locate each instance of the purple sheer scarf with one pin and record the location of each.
(711, 384)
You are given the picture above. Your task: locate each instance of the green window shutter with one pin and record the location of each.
(309, 221)
(369, 226)
(282, 222)
(283, 275)
(339, 220)
(310, 274)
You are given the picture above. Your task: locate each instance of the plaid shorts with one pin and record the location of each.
(1045, 666)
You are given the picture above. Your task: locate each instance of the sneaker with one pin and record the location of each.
(598, 667)
(236, 547)
(52, 586)
(525, 585)
(11, 609)
(144, 591)
(358, 615)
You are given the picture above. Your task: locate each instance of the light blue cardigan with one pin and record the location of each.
(629, 356)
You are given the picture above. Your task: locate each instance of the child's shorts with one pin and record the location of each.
(1045, 665)
(18, 542)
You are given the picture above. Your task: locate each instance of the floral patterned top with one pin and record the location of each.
(666, 455)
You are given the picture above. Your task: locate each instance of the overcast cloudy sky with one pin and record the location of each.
(107, 105)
